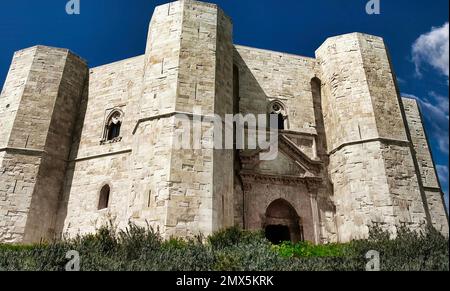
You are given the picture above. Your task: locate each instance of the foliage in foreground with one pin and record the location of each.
(230, 250)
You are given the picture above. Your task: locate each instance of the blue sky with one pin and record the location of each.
(110, 30)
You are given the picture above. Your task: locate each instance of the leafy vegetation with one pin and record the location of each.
(137, 249)
(307, 249)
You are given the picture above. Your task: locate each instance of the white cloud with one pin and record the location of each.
(436, 109)
(432, 49)
(443, 173)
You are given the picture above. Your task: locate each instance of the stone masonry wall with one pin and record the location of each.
(371, 166)
(202, 180)
(223, 160)
(266, 75)
(12, 223)
(45, 202)
(431, 185)
(34, 164)
(13, 90)
(153, 133)
(92, 164)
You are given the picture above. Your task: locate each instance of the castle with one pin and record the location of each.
(81, 147)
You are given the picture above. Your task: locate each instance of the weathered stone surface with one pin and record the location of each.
(427, 170)
(37, 139)
(351, 154)
(374, 176)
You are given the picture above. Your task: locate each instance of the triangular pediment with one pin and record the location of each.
(291, 161)
(282, 165)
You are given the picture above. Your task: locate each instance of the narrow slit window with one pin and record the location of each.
(103, 201)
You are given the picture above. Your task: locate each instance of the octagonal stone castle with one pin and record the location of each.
(81, 147)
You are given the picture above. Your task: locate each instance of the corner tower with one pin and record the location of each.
(371, 165)
(188, 65)
(38, 108)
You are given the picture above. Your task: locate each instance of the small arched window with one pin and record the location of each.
(103, 201)
(112, 127)
(279, 109)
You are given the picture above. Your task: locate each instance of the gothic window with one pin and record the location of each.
(103, 201)
(112, 127)
(279, 109)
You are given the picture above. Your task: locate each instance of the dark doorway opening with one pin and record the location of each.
(282, 223)
(277, 234)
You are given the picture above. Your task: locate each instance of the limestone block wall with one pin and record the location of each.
(150, 173)
(361, 193)
(50, 180)
(162, 57)
(223, 160)
(384, 95)
(94, 164)
(34, 162)
(266, 75)
(202, 190)
(12, 222)
(188, 66)
(153, 132)
(345, 92)
(371, 164)
(433, 191)
(112, 86)
(13, 90)
(17, 184)
(419, 140)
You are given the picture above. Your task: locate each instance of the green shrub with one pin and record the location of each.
(139, 249)
(409, 251)
(233, 236)
(307, 249)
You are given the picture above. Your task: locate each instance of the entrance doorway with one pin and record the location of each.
(278, 233)
(282, 223)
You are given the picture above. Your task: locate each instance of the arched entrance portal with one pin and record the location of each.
(282, 223)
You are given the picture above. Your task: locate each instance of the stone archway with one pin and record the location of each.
(282, 223)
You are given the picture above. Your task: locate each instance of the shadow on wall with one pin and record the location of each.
(250, 98)
(65, 191)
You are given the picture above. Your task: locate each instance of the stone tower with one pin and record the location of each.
(372, 166)
(188, 65)
(38, 110)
